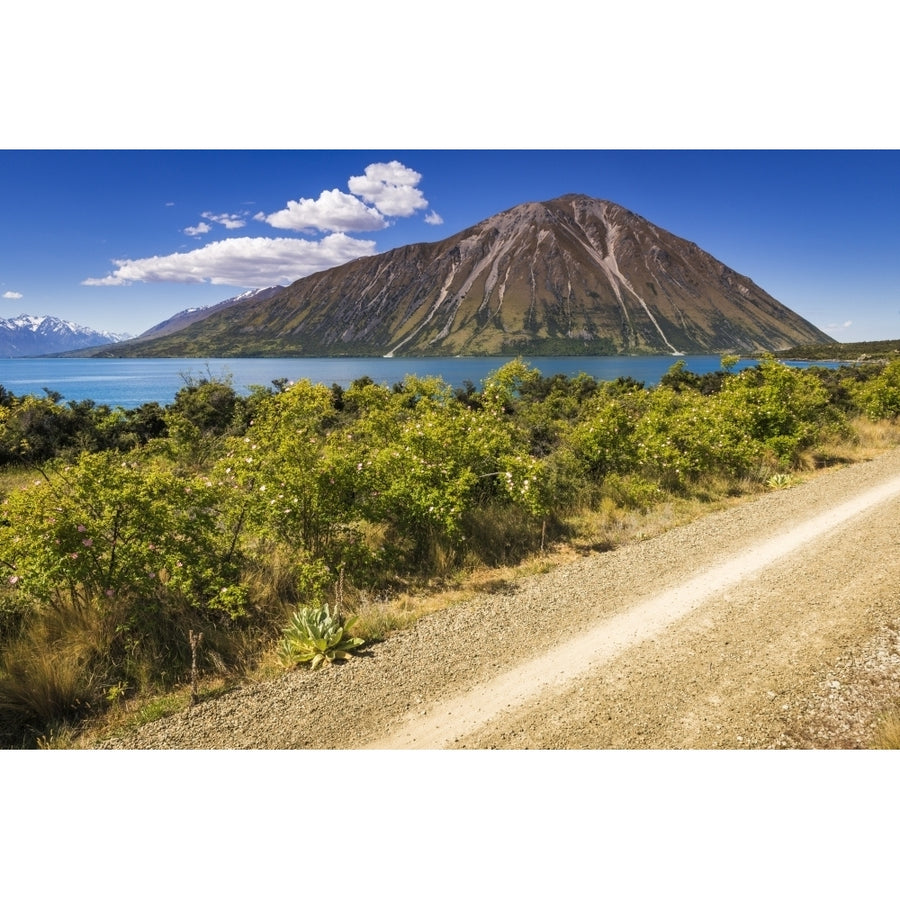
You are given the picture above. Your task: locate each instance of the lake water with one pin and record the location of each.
(131, 382)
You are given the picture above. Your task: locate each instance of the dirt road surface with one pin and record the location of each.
(769, 624)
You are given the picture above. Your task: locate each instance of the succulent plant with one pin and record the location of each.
(316, 636)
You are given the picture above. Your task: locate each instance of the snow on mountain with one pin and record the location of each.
(187, 317)
(28, 335)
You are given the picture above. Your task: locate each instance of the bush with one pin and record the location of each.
(879, 398)
(123, 541)
(115, 527)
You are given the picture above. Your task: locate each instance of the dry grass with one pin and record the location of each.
(887, 734)
(49, 674)
(125, 714)
(862, 440)
(376, 618)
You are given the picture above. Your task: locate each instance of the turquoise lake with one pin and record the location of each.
(131, 382)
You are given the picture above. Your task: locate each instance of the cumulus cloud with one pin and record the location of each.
(229, 220)
(245, 262)
(12, 295)
(386, 189)
(390, 187)
(333, 211)
(833, 325)
(198, 229)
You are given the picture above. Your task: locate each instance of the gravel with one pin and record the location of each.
(804, 653)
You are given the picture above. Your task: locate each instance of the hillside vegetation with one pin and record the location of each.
(861, 350)
(292, 524)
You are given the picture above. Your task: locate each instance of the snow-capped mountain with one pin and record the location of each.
(198, 313)
(28, 335)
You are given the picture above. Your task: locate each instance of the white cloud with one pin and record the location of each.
(198, 229)
(229, 220)
(834, 325)
(333, 211)
(391, 187)
(12, 295)
(388, 189)
(245, 262)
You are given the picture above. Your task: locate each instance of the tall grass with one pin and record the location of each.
(52, 672)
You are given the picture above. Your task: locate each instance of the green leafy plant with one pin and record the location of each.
(316, 635)
(780, 480)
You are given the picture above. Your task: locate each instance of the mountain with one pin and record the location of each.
(41, 335)
(574, 275)
(199, 313)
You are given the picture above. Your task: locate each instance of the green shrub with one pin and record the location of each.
(879, 397)
(122, 541)
(781, 408)
(116, 528)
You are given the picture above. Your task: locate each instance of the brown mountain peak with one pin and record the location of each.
(574, 275)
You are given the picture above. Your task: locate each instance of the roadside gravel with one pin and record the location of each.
(803, 653)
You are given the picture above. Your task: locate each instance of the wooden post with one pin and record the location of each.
(340, 591)
(195, 640)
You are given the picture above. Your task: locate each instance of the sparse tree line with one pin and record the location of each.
(123, 531)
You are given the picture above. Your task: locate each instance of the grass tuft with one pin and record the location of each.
(887, 734)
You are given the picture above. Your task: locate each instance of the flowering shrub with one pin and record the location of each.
(423, 460)
(114, 531)
(282, 476)
(782, 408)
(603, 440)
(879, 398)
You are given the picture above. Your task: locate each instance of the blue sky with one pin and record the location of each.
(122, 239)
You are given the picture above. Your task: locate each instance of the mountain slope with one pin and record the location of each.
(197, 314)
(575, 275)
(28, 335)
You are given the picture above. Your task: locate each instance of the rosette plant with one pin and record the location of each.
(317, 636)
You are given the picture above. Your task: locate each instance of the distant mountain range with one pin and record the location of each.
(570, 276)
(41, 335)
(47, 336)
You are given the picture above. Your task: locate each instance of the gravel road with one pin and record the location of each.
(773, 623)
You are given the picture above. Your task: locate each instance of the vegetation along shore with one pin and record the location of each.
(156, 557)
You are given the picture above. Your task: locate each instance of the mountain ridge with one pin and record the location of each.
(31, 335)
(198, 313)
(571, 276)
